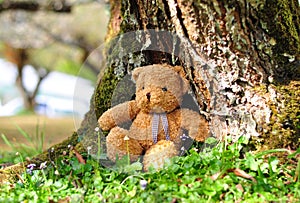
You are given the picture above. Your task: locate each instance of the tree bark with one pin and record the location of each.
(242, 59)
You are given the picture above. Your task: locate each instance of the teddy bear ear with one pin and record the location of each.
(185, 85)
(181, 72)
(136, 72)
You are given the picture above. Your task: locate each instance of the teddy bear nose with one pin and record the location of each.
(148, 95)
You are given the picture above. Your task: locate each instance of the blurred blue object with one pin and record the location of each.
(59, 94)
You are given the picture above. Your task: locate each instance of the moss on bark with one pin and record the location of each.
(283, 130)
(281, 20)
(104, 91)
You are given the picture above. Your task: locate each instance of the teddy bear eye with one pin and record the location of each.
(143, 87)
(164, 89)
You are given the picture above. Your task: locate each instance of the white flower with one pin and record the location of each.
(184, 137)
(99, 195)
(56, 172)
(17, 153)
(69, 146)
(89, 149)
(143, 184)
(126, 138)
(31, 166)
(43, 165)
(97, 129)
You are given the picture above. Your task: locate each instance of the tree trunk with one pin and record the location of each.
(242, 59)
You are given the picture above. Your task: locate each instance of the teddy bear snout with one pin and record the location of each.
(148, 95)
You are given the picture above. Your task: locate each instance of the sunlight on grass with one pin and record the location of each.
(223, 173)
(35, 146)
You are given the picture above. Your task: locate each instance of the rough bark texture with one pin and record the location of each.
(241, 58)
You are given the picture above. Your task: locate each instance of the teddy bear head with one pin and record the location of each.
(159, 88)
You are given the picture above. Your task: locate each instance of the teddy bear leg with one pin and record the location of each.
(158, 154)
(119, 145)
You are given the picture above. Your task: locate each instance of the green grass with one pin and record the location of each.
(34, 146)
(224, 173)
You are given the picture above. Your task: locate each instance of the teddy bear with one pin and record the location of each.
(157, 121)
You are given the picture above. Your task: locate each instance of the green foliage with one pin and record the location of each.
(64, 40)
(222, 173)
(124, 165)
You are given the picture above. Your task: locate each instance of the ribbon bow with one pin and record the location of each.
(155, 124)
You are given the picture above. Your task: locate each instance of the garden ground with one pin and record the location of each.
(226, 172)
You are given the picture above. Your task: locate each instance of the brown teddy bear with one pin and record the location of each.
(157, 119)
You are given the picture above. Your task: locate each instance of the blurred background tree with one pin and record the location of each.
(51, 35)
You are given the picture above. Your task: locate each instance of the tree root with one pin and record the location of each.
(13, 173)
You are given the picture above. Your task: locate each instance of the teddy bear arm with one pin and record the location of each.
(195, 124)
(118, 114)
(106, 121)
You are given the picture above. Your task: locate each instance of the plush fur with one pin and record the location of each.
(159, 89)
